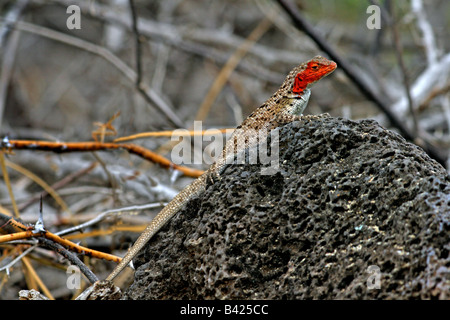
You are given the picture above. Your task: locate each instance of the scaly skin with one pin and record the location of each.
(285, 105)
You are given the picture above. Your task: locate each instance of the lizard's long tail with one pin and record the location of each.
(196, 187)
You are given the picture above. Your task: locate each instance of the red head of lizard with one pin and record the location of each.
(312, 71)
(293, 95)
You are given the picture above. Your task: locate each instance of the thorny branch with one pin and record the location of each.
(17, 230)
(25, 232)
(52, 241)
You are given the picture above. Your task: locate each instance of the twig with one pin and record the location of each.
(431, 50)
(229, 67)
(105, 129)
(8, 184)
(59, 184)
(64, 242)
(110, 230)
(270, 10)
(138, 52)
(24, 232)
(40, 182)
(111, 179)
(162, 58)
(426, 82)
(63, 147)
(433, 94)
(18, 258)
(235, 106)
(71, 257)
(10, 224)
(13, 16)
(8, 58)
(104, 214)
(140, 86)
(8, 53)
(226, 72)
(399, 54)
(180, 133)
(428, 35)
(16, 236)
(80, 249)
(365, 89)
(38, 280)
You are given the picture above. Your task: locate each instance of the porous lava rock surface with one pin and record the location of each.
(353, 212)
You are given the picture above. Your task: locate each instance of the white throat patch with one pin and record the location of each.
(301, 103)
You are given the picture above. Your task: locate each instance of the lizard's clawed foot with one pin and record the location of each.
(284, 119)
(101, 290)
(314, 116)
(213, 177)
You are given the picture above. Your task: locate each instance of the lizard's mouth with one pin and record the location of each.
(331, 67)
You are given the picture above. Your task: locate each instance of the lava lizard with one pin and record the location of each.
(285, 105)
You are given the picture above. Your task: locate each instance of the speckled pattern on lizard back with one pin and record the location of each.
(285, 105)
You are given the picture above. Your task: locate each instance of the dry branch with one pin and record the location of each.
(89, 146)
(28, 232)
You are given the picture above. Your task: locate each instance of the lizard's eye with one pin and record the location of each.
(315, 67)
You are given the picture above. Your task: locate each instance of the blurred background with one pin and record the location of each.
(214, 61)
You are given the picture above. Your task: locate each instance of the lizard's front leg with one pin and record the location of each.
(287, 118)
(213, 173)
